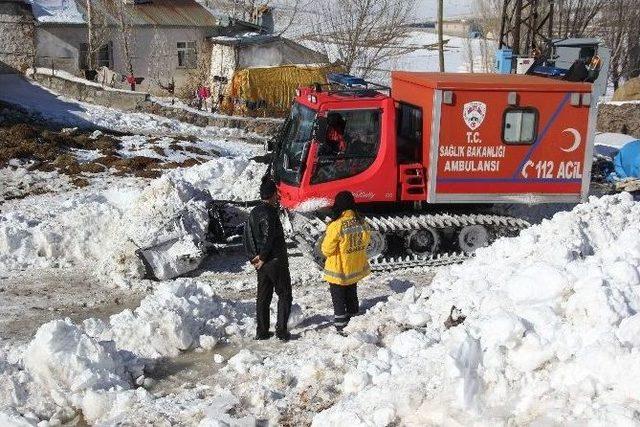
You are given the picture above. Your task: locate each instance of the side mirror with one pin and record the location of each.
(320, 130)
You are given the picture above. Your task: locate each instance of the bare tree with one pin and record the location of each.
(467, 45)
(488, 13)
(574, 18)
(363, 35)
(98, 32)
(161, 58)
(200, 74)
(618, 27)
(125, 29)
(487, 52)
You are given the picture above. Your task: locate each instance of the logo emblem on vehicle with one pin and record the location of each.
(577, 140)
(474, 113)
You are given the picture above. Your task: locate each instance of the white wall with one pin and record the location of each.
(223, 63)
(60, 45)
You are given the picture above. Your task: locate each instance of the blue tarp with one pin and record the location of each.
(627, 161)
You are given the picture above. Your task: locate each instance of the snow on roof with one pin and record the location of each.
(244, 39)
(57, 11)
(181, 13)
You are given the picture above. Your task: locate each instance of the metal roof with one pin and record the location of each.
(176, 13)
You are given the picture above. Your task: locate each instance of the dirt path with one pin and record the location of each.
(37, 296)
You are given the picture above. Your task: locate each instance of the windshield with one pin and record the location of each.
(295, 138)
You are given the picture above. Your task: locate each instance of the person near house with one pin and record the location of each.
(204, 98)
(267, 251)
(344, 246)
(131, 80)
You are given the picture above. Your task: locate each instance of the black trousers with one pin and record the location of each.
(274, 275)
(345, 303)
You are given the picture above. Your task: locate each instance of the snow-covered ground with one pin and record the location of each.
(550, 336)
(37, 99)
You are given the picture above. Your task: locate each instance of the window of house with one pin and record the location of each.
(102, 58)
(409, 133)
(187, 55)
(520, 126)
(351, 145)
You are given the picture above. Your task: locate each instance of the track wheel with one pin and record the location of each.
(378, 244)
(473, 237)
(423, 243)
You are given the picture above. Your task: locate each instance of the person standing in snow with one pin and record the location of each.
(344, 246)
(267, 251)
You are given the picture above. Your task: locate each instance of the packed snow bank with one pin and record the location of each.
(550, 335)
(179, 315)
(94, 367)
(52, 107)
(105, 227)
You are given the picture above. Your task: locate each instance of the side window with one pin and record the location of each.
(520, 126)
(187, 55)
(351, 145)
(409, 134)
(102, 57)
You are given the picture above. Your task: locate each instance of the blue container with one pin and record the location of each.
(504, 61)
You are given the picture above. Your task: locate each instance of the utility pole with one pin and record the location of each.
(440, 35)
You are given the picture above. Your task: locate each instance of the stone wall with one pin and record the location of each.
(620, 118)
(84, 90)
(260, 126)
(17, 29)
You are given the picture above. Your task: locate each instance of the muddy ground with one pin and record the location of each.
(37, 296)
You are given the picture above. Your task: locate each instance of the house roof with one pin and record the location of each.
(175, 13)
(292, 51)
(246, 39)
(170, 13)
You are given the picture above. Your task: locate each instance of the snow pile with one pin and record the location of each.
(93, 367)
(107, 226)
(168, 222)
(179, 315)
(65, 361)
(57, 230)
(550, 335)
(225, 179)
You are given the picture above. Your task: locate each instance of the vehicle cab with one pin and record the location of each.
(338, 137)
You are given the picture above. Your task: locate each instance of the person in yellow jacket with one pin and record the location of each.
(344, 246)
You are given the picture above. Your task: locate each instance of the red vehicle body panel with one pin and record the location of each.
(464, 158)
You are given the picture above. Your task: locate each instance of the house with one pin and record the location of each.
(267, 59)
(161, 41)
(173, 46)
(16, 36)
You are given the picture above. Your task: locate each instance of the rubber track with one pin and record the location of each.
(313, 227)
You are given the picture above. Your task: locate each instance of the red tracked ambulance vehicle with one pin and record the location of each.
(427, 157)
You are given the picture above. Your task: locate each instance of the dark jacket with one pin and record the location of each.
(263, 234)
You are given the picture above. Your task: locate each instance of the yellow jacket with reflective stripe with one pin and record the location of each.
(344, 246)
